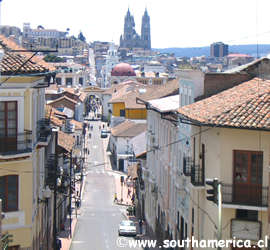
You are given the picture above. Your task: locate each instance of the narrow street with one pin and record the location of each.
(97, 226)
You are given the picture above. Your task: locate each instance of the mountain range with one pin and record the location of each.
(250, 49)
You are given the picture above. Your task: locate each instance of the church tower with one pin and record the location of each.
(130, 39)
(145, 31)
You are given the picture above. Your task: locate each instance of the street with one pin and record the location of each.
(97, 226)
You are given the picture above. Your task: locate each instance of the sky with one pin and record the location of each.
(174, 23)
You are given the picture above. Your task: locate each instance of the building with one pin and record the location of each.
(160, 174)
(130, 39)
(120, 145)
(219, 49)
(24, 136)
(111, 60)
(121, 73)
(230, 142)
(41, 32)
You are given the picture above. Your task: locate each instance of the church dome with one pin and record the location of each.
(123, 69)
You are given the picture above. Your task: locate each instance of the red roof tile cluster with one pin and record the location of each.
(65, 141)
(17, 61)
(244, 106)
(128, 129)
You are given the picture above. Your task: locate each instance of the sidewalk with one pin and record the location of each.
(64, 235)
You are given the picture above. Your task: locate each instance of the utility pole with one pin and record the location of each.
(55, 192)
(219, 213)
(70, 192)
(216, 197)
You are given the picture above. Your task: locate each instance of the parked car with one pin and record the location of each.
(103, 133)
(127, 227)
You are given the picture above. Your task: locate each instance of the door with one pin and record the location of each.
(8, 126)
(248, 166)
(121, 164)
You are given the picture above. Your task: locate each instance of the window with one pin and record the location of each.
(9, 192)
(122, 112)
(8, 118)
(8, 126)
(81, 81)
(58, 81)
(248, 167)
(68, 81)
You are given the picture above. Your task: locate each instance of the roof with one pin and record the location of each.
(244, 106)
(245, 66)
(239, 55)
(65, 141)
(52, 114)
(128, 129)
(78, 125)
(123, 69)
(18, 60)
(129, 93)
(139, 143)
(167, 89)
(165, 104)
(63, 98)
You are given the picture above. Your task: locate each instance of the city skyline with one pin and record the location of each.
(190, 24)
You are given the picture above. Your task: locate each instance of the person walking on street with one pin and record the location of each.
(128, 194)
(141, 226)
(58, 244)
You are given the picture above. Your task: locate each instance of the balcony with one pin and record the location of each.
(246, 195)
(197, 176)
(15, 144)
(43, 130)
(187, 164)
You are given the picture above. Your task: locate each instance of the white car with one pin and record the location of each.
(127, 227)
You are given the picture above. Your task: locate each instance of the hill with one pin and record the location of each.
(251, 49)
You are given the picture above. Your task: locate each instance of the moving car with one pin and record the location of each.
(127, 227)
(103, 133)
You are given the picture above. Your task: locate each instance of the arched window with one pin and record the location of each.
(9, 192)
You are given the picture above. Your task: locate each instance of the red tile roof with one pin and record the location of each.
(13, 61)
(128, 129)
(244, 106)
(65, 141)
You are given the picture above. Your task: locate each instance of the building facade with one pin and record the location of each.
(219, 49)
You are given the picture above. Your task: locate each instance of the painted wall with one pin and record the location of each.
(219, 146)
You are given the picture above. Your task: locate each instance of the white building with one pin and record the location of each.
(111, 60)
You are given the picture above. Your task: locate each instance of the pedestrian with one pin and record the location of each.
(140, 225)
(133, 198)
(115, 197)
(103, 126)
(58, 244)
(99, 127)
(89, 135)
(128, 194)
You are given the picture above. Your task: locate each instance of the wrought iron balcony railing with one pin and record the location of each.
(197, 175)
(43, 129)
(247, 195)
(16, 143)
(187, 164)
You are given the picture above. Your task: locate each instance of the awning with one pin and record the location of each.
(132, 171)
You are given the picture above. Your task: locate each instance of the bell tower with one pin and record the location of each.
(145, 31)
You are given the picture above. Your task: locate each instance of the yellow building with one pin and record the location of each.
(128, 101)
(231, 142)
(23, 135)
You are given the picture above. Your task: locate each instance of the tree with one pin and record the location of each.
(53, 58)
(81, 37)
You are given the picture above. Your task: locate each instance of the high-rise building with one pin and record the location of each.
(130, 39)
(219, 49)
